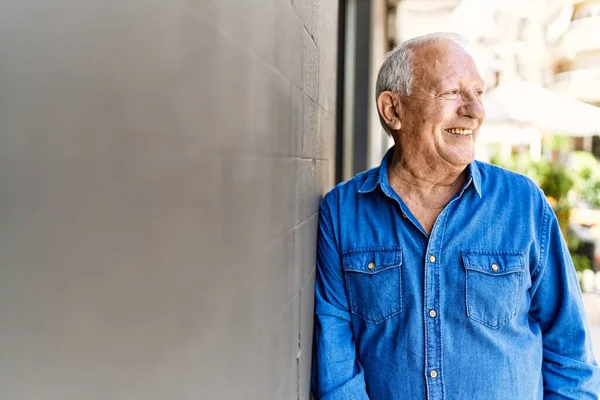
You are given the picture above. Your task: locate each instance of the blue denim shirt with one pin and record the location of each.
(487, 306)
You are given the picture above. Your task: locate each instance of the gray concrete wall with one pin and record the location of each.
(161, 164)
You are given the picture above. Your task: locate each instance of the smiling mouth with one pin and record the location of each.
(460, 131)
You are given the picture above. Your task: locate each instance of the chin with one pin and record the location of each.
(459, 156)
(461, 160)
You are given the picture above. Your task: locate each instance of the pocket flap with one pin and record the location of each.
(493, 263)
(372, 260)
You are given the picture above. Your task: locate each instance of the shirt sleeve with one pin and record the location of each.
(569, 370)
(337, 374)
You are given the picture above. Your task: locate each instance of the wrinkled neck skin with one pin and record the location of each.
(426, 186)
(424, 175)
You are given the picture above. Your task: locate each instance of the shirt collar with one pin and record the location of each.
(380, 177)
(475, 176)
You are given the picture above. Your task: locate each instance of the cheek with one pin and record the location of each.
(447, 114)
(439, 112)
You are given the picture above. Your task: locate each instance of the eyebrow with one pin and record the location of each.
(441, 86)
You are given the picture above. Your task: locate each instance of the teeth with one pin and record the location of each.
(460, 131)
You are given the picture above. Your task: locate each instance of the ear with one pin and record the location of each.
(388, 105)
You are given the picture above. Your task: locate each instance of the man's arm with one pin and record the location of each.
(336, 374)
(569, 370)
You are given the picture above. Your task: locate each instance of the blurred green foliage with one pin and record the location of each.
(586, 173)
(580, 262)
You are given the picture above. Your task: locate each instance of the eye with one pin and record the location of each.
(452, 93)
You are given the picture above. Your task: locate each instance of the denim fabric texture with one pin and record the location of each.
(487, 306)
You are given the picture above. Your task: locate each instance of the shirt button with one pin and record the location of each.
(432, 313)
(371, 266)
(432, 259)
(433, 374)
(495, 267)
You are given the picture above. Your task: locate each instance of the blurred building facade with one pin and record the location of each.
(576, 64)
(161, 170)
(576, 61)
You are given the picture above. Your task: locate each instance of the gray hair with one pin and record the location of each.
(396, 72)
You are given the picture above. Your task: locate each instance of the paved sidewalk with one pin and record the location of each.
(591, 302)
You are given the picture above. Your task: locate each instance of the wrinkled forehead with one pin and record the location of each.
(439, 63)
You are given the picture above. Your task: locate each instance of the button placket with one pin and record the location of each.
(431, 303)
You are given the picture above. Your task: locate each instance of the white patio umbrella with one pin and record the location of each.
(527, 104)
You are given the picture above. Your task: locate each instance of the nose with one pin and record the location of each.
(471, 107)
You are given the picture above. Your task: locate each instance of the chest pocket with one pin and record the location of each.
(373, 282)
(493, 286)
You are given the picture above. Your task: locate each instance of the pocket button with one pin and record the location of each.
(371, 266)
(495, 267)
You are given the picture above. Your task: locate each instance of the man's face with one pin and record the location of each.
(441, 118)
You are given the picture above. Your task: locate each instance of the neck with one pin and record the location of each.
(431, 185)
(425, 187)
(421, 173)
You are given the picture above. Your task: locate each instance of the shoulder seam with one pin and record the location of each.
(543, 240)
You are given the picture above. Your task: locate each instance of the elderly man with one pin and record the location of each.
(439, 277)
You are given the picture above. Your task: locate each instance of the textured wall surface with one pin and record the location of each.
(161, 164)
